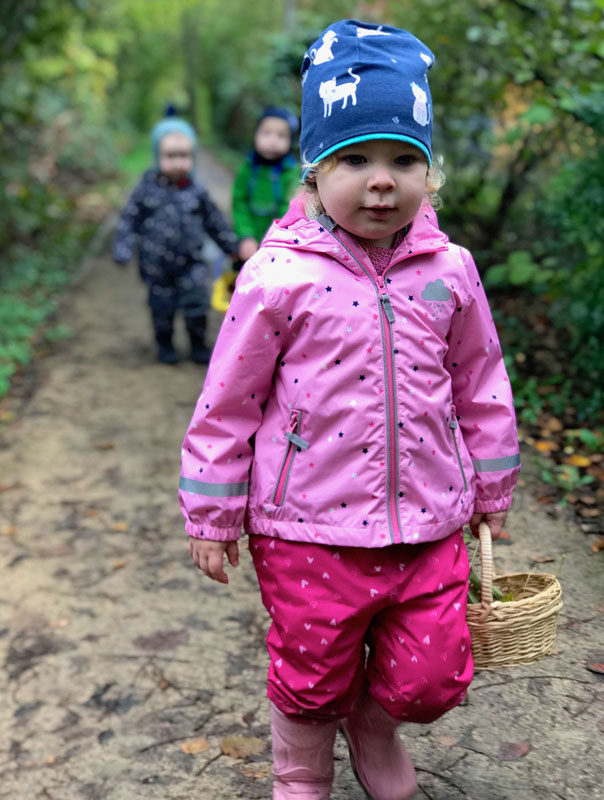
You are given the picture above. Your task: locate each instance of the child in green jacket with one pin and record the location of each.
(267, 180)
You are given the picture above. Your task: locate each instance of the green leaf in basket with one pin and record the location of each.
(507, 598)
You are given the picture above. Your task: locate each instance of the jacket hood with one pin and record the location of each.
(424, 235)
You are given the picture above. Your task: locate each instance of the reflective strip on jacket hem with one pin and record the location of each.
(496, 464)
(213, 489)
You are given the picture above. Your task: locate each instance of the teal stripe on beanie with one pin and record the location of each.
(166, 126)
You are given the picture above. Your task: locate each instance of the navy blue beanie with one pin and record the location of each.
(281, 113)
(362, 81)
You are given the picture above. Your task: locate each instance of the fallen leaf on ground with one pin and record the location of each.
(553, 425)
(8, 530)
(194, 746)
(597, 473)
(105, 446)
(242, 746)
(595, 666)
(119, 526)
(588, 499)
(512, 751)
(119, 565)
(58, 623)
(55, 551)
(7, 487)
(91, 512)
(163, 684)
(578, 461)
(541, 559)
(447, 741)
(597, 545)
(546, 446)
(256, 770)
(589, 512)
(162, 640)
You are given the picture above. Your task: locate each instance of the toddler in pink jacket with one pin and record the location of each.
(355, 415)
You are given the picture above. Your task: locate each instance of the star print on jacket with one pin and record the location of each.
(423, 443)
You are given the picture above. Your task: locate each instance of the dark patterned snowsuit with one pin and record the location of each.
(166, 223)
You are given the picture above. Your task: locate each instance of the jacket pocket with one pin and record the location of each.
(294, 444)
(454, 427)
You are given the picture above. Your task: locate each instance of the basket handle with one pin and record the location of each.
(486, 564)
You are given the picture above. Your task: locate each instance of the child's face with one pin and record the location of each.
(175, 156)
(273, 138)
(375, 189)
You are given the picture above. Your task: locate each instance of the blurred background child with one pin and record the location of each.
(165, 220)
(267, 180)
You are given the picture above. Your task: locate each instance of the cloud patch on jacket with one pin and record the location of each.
(436, 290)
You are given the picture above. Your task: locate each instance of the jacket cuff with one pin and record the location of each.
(212, 533)
(490, 506)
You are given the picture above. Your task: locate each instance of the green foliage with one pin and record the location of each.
(519, 117)
(29, 287)
(56, 67)
(592, 439)
(565, 269)
(58, 333)
(520, 269)
(565, 477)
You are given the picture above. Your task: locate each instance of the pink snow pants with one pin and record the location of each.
(393, 617)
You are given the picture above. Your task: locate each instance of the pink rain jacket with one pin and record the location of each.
(345, 408)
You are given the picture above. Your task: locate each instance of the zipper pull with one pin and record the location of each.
(293, 422)
(453, 423)
(387, 307)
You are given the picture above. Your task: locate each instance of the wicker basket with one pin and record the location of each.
(519, 631)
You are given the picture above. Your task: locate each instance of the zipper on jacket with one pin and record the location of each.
(391, 428)
(454, 426)
(294, 441)
(386, 320)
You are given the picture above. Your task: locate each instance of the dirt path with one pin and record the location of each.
(116, 651)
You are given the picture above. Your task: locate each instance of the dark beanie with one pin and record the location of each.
(281, 113)
(362, 81)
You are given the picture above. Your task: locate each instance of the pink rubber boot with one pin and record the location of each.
(378, 757)
(302, 758)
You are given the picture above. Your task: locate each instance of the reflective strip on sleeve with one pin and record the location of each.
(214, 489)
(496, 464)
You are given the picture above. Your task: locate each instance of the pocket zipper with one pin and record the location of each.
(294, 441)
(453, 425)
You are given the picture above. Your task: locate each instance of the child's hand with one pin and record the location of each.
(494, 519)
(208, 556)
(247, 248)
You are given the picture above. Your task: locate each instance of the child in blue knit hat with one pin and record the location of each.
(165, 220)
(382, 421)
